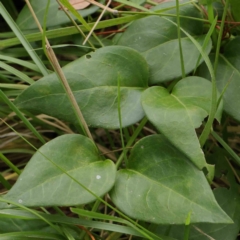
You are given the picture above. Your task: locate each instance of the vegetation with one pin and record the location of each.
(120, 122)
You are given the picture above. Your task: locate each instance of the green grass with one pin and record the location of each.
(117, 139)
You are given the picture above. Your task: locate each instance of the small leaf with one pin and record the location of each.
(161, 186)
(94, 81)
(176, 115)
(43, 184)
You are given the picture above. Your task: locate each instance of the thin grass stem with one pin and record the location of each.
(179, 40)
(21, 38)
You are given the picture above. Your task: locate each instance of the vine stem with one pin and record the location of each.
(53, 60)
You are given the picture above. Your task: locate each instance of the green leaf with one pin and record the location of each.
(94, 81)
(176, 115)
(15, 225)
(149, 32)
(31, 235)
(55, 16)
(235, 8)
(164, 60)
(42, 183)
(229, 202)
(228, 199)
(161, 186)
(228, 76)
(30, 228)
(54, 218)
(157, 40)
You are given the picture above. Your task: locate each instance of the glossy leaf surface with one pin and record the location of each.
(42, 183)
(94, 81)
(161, 186)
(55, 16)
(176, 115)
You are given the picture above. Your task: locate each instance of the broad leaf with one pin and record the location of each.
(176, 115)
(156, 38)
(94, 81)
(42, 183)
(161, 186)
(206, 231)
(164, 60)
(228, 77)
(55, 16)
(228, 199)
(149, 32)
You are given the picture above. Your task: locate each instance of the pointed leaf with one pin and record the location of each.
(94, 81)
(176, 115)
(229, 201)
(156, 38)
(161, 186)
(43, 184)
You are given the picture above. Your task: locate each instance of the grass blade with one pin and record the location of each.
(23, 40)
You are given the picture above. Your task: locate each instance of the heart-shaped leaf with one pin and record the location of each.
(42, 183)
(94, 81)
(206, 231)
(55, 16)
(228, 77)
(176, 115)
(163, 187)
(229, 200)
(156, 38)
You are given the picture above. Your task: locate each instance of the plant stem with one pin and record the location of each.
(75, 24)
(21, 38)
(5, 183)
(120, 121)
(21, 116)
(211, 19)
(131, 140)
(226, 147)
(9, 164)
(207, 129)
(220, 36)
(53, 59)
(179, 40)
